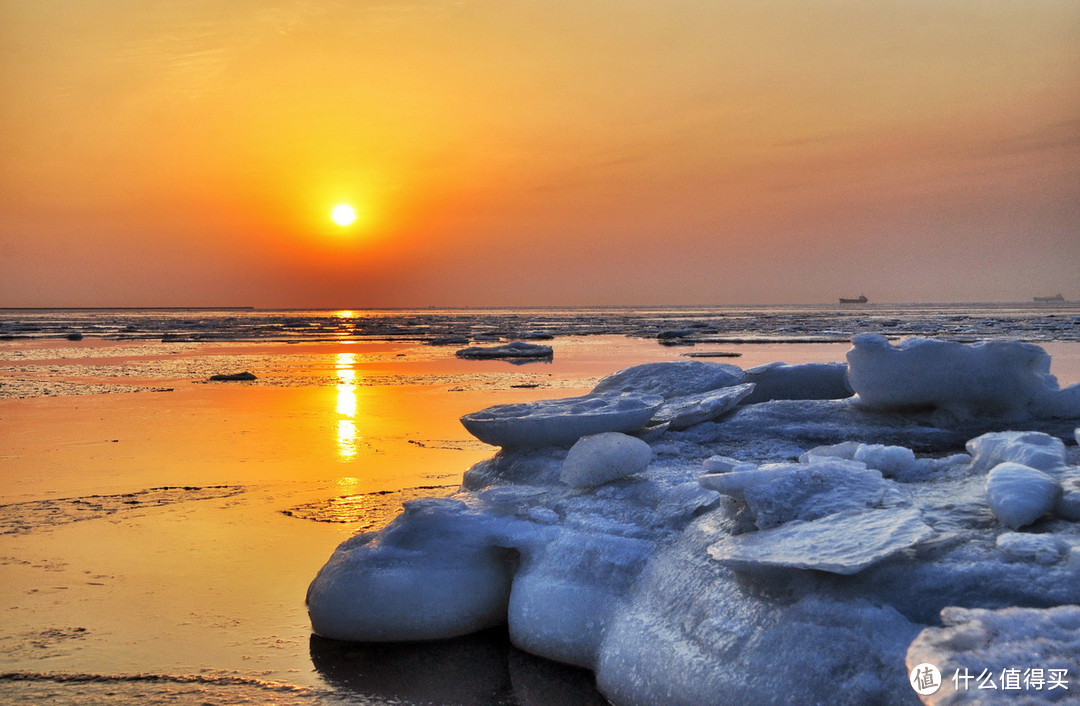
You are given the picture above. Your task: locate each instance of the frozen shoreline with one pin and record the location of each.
(697, 563)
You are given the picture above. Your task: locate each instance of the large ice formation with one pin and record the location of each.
(1004, 378)
(787, 547)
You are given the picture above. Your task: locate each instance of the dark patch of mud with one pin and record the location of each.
(16, 518)
(369, 511)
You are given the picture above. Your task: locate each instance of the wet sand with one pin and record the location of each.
(167, 527)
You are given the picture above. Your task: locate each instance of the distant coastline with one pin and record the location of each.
(127, 308)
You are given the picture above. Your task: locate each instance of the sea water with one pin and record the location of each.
(1050, 321)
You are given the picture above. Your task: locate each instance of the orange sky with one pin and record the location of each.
(188, 152)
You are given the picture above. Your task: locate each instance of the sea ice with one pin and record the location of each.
(683, 412)
(806, 381)
(1002, 378)
(602, 458)
(433, 573)
(782, 492)
(1029, 448)
(1019, 495)
(561, 421)
(1023, 655)
(1039, 548)
(725, 464)
(514, 349)
(843, 543)
(674, 379)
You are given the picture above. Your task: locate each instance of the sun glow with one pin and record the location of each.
(343, 214)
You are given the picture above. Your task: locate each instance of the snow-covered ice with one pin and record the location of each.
(785, 551)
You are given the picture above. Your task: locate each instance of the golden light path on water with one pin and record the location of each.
(346, 406)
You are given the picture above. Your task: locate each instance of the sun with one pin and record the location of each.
(343, 214)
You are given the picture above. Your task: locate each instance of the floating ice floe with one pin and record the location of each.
(513, 350)
(702, 565)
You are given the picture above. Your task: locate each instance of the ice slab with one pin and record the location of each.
(1037, 548)
(683, 412)
(844, 543)
(782, 492)
(514, 349)
(561, 421)
(671, 379)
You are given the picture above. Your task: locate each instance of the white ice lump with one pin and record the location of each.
(1002, 378)
(601, 458)
(1019, 495)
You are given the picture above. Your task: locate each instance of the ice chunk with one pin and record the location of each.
(844, 543)
(671, 379)
(725, 464)
(778, 493)
(1056, 403)
(692, 633)
(514, 349)
(977, 641)
(806, 381)
(989, 378)
(1030, 448)
(561, 421)
(845, 449)
(566, 590)
(682, 412)
(1068, 505)
(892, 461)
(432, 574)
(1019, 495)
(602, 458)
(1038, 548)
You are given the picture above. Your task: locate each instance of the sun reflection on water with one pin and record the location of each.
(346, 406)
